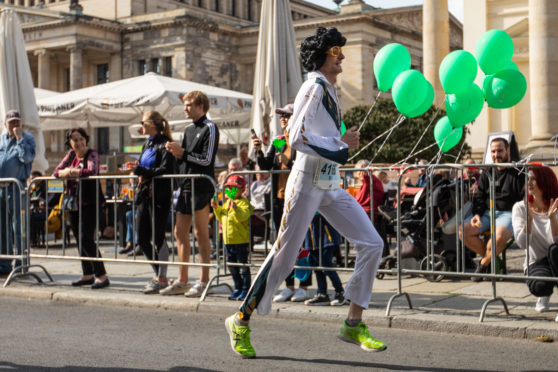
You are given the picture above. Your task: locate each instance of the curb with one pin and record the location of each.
(451, 324)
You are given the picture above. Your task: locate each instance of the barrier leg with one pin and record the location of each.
(485, 305)
(17, 273)
(212, 286)
(388, 309)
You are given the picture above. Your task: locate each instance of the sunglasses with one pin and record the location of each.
(285, 116)
(334, 51)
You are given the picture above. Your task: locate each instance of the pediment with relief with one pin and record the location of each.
(34, 17)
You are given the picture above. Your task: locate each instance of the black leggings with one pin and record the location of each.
(88, 246)
(144, 229)
(547, 266)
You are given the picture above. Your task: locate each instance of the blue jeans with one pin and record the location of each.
(238, 253)
(330, 241)
(130, 227)
(10, 224)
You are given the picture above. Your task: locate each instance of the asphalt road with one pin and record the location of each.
(49, 336)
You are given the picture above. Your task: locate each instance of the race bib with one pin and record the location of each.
(327, 176)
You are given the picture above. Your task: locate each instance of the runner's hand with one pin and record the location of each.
(351, 137)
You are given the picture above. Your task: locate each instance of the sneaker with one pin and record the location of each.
(339, 299)
(480, 270)
(235, 294)
(542, 304)
(319, 299)
(154, 287)
(299, 295)
(240, 338)
(136, 252)
(285, 295)
(196, 290)
(359, 335)
(176, 288)
(242, 295)
(126, 249)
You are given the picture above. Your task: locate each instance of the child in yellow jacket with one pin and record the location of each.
(234, 216)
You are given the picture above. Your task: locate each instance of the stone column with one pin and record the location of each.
(44, 68)
(76, 67)
(543, 60)
(435, 43)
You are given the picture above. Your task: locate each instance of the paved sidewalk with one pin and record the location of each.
(451, 305)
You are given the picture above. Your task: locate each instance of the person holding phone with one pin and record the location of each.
(280, 156)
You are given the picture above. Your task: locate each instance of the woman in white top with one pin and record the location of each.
(543, 232)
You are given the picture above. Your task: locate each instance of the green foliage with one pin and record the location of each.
(403, 138)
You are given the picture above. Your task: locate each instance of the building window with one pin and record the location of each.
(167, 66)
(233, 8)
(217, 5)
(102, 73)
(249, 5)
(142, 67)
(155, 67)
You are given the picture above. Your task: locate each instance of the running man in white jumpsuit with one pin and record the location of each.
(313, 185)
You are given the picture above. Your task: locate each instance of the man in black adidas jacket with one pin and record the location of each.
(196, 155)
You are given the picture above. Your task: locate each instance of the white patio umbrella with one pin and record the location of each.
(16, 84)
(123, 102)
(277, 75)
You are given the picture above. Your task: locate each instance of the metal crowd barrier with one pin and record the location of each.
(460, 272)
(60, 188)
(429, 267)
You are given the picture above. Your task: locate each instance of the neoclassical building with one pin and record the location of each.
(75, 44)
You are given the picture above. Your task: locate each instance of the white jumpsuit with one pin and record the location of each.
(314, 134)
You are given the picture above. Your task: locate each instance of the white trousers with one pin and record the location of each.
(342, 211)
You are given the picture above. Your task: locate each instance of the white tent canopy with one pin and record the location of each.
(43, 93)
(123, 102)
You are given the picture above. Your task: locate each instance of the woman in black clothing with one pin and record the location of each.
(153, 197)
(81, 161)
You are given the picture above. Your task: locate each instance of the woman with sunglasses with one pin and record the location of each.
(541, 218)
(153, 197)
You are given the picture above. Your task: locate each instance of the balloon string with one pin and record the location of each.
(460, 150)
(400, 120)
(369, 111)
(374, 140)
(416, 153)
(423, 134)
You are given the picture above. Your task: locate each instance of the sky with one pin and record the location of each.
(455, 6)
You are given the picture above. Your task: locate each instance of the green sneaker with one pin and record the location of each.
(240, 338)
(359, 335)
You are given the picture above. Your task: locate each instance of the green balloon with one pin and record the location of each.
(389, 62)
(465, 106)
(504, 89)
(511, 66)
(426, 104)
(494, 51)
(457, 70)
(409, 90)
(445, 135)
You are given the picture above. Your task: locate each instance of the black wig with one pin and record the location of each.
(313, 49)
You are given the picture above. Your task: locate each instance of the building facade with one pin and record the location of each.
(75, 44)
(532, 24)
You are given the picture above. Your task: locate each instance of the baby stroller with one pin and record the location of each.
(414, 229)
